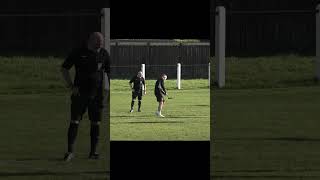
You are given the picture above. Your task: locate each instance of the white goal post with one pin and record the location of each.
(178, 76)
(178, 81)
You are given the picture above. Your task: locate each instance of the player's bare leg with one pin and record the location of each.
(161, 103)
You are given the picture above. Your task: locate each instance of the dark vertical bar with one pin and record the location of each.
(116, 50)
(180, 53)
(212, 26)
(148, 58)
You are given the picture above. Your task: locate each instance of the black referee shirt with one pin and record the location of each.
(137, 83)
(89, 67)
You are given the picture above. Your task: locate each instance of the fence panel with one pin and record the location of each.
(268, 27)
(159, 58)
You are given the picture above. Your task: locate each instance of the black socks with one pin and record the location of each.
(94, 134)
(72, 134)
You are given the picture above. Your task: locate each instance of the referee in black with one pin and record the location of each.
(91, 63)
(139, 85)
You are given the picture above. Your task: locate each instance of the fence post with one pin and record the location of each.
(209, 74)
(318, 42)
(180, 50)
(143, 69)
(105, 27)
(105, 30)
(116, 51)
(179, 76)
(220, 45)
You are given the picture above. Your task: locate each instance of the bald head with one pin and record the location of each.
(164, 76)
(95, 41)
(140, 74)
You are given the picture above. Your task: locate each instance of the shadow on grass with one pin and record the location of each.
(150, 122)
(48, 173)
(294, 139)
(39, 159)
(202, 105)
(122, 116)
(199, 105)
(302, 82)
(267, 170)
(187, 117)
(58, 160)
(265, 176)
(168, 116)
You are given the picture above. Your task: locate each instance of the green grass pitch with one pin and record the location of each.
(266, 120)
(186, 115)
(34, 117)
(33, 131)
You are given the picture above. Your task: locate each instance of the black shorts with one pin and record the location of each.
(136, 94)
(159, 98)
(80, 104)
